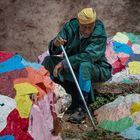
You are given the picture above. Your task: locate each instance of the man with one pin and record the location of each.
(84, 39)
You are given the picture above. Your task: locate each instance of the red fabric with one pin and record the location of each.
(5, 56)
(129, 43)
(119, 65)
(17, 127)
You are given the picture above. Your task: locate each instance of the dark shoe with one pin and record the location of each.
(78, 116)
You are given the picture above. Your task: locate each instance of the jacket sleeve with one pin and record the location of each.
(54, 50)
(93, 52)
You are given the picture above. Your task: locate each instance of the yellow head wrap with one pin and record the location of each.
(87, 16)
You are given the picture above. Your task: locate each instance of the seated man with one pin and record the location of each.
(84, 39)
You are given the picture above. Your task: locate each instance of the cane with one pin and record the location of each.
(77, 84)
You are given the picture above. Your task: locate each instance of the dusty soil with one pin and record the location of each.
(26, 26)
(85, 131)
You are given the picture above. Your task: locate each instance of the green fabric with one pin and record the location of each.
(126, 81)
(117, 126)
(86, 52)
(90, 51)
(134, 39)
(138, 128)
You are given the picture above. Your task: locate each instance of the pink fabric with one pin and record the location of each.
(112, 113)
(110, 54)
(41, 119)
(117, 60)
(136, 117)
(42, 57)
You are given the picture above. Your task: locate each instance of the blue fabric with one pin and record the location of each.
(133, 57)
(85, 85)
(119, 47)
(7, 137)
(36, 66)
(15, 63)
(132, 133)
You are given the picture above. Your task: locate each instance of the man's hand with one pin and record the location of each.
(59, 41)
(58, 69)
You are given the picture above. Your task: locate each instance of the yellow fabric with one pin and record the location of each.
(121, 38)
(134, 67)
(135, 108)
(23, 102)
(87, 16)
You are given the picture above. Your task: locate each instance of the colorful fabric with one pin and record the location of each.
(116, 116)
(41, 120)
(118, 47)
(85, 85)
(40, 79)
(134, 67)
(133, 57)
(87, 16)
(5, 56)
(23, 102)
(117, 126)
(16, 63)
(117, 60)
(42, 57)
(136, 48)
(132, 133)
(135, 108)
(134, 39)
(16, 127)
(121, 38)
(7, 104)
(29, 64)
(7, 81)
(112, 113)
(136, 117)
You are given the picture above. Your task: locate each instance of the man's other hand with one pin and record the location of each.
(58, 69)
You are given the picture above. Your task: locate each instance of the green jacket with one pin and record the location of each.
(90, 50)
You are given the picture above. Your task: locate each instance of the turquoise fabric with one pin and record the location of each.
(134, 39)
(36, 66)
(132, 133)
(85, 85)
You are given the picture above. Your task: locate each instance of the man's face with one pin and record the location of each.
(86, 29)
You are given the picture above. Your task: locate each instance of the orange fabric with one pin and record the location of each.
(40, 79)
